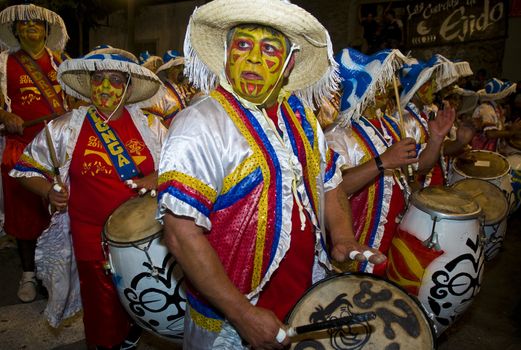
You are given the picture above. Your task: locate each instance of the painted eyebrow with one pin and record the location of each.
(241, 33)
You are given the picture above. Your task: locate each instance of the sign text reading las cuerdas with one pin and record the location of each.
(454, 21)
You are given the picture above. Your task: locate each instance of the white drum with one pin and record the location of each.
(484, 165)
(515, 175)
(400, 321)
(495, 208)
(437, 253)
(147, 277)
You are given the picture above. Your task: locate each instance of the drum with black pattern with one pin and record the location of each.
(147, 277)
(437, 253)
(400, 321)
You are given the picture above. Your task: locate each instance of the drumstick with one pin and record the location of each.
(331, 324)
(54, 158)
(410, 174)
(29, 123)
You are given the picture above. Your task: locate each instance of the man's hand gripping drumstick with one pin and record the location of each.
(144, 184)
(58, 194)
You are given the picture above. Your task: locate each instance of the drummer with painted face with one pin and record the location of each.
(105, 153)
(248, 187)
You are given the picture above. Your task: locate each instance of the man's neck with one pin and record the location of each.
(34, 49)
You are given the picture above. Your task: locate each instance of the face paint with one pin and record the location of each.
(30, 30)
(107, 90)
(426, 92)
(255, 60)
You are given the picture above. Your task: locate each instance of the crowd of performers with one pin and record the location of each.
(275, 159)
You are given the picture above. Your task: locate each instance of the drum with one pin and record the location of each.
(437, 253)
(147, 277)
(400, 321)
(515, 175)
(485, 165)
(495, 208)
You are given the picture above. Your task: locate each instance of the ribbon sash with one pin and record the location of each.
(41, 81)
(121, 159)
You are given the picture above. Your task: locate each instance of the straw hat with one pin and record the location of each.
(496, 89)
(314, 75)
(469, 98)
(413, 76)
(56, 32)
(74, 76)
(171, 58)
(149, 61)
(362, 77)
(104, 48)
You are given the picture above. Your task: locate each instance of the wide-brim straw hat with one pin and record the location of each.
(108, 49)
(57, 33)
(149, 61)
(171, 58)
(469, 98)
(314, 75)
(74, 77)
(496, 89)
(362, 77)
(441, 69)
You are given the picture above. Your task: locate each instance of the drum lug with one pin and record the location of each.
(432, 241)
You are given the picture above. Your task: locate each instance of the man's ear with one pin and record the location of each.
(290, 66)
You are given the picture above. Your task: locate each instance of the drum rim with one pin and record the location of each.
(507, 206)
(432, 212)
(120, 244)
(373, 277)
(460, 172)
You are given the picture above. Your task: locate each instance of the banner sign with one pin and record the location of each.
(446, 22)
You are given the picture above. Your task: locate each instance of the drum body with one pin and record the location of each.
(495, 208)
(400, 321)
(437, 253)
(484, 165)
(515, 175)
(147, 277)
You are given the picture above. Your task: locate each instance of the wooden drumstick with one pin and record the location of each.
(410, 173)
(52, 153)
(331, 324)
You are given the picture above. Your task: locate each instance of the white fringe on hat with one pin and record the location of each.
(315, 74)
(74, 77)
(57, 33)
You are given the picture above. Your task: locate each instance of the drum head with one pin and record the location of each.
(133, 221)
(445, 202)
(400, 321)
(489, 197)
(482, 165)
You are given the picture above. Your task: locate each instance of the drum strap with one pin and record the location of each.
(118, 153)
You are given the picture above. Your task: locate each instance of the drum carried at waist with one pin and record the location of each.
(437, 253)
(400, 321)
(484, 165)
(148, 279)
(495, 209)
